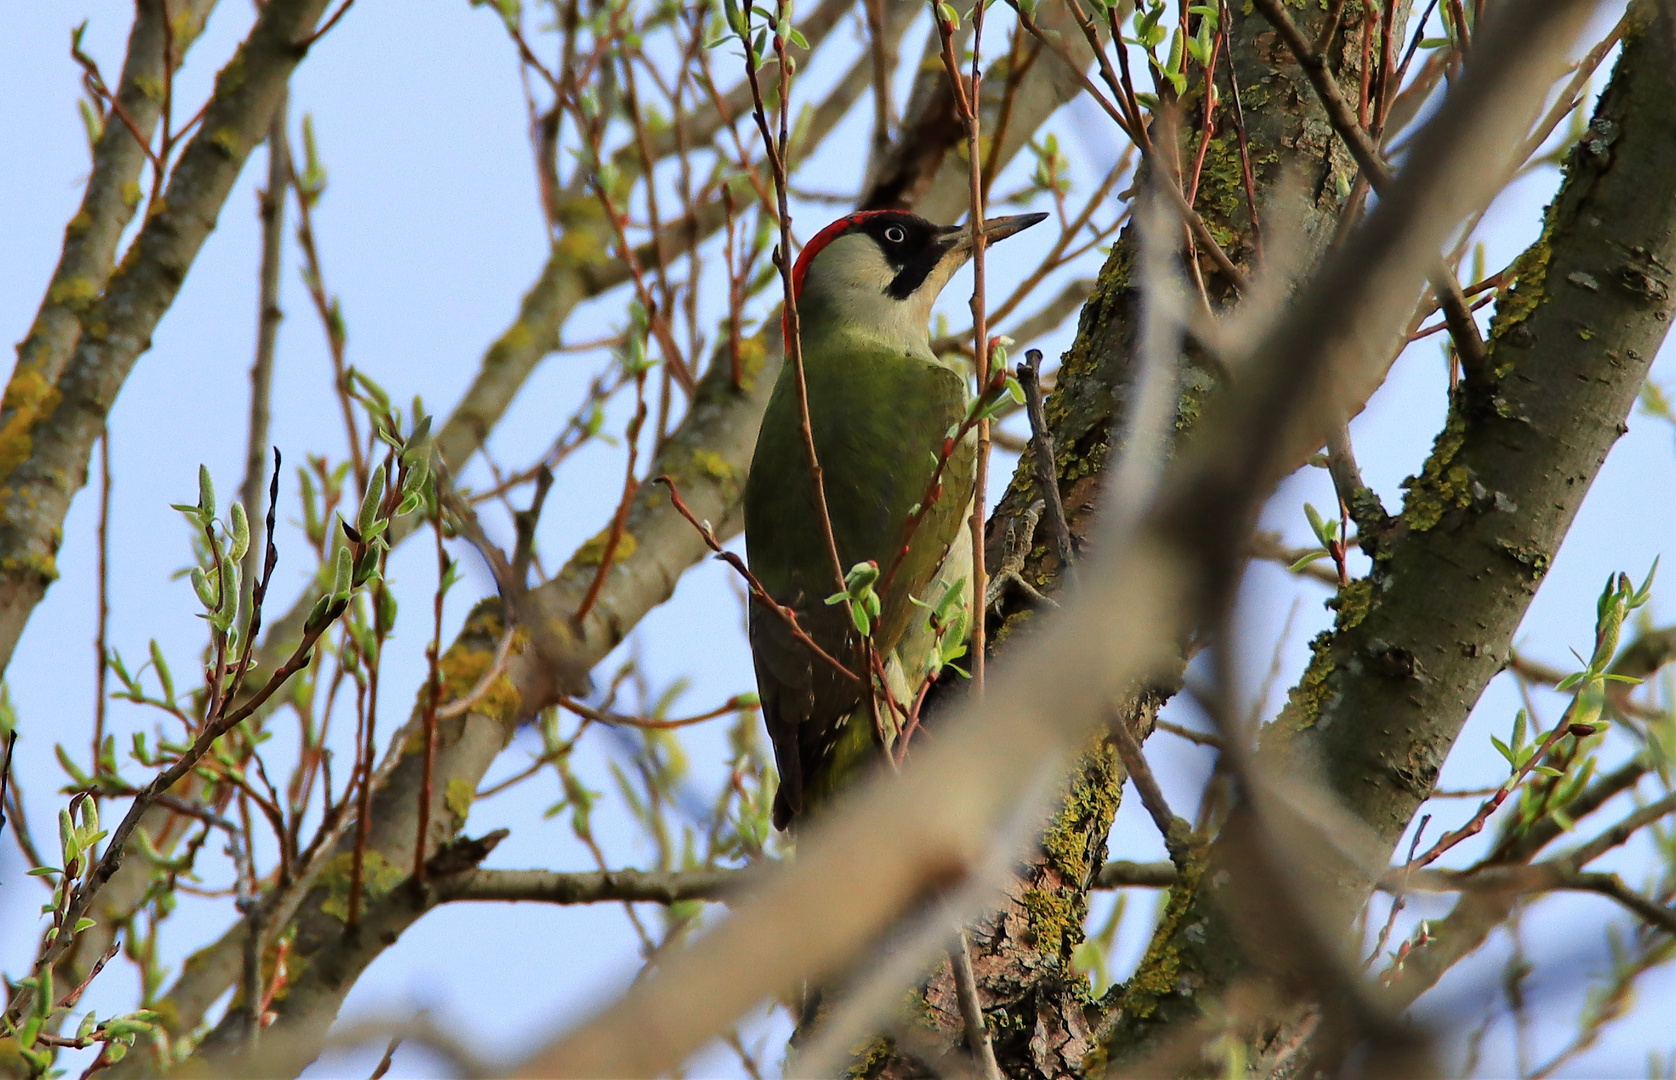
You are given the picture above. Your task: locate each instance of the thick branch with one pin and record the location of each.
(120, 323)
(856, 874)
(552, 887)
(1416, 642)
(1023, 956)
(707, 455)
(108, 203)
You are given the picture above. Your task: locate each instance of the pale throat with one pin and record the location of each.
(844, 299)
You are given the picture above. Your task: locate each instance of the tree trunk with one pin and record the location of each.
(1040, 1010)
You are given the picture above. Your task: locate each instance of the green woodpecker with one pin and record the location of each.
(881, 406)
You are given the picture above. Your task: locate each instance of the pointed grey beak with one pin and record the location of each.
(994, 229)
(1002, 227)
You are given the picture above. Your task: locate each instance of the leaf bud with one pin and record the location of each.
(206, 493)
(240, 533)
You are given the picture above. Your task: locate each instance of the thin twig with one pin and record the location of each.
(732, 705)
(433, 694)
(308, 42)
(758, 593)
(971, 1008)
(1469, 344)
(625, 502)
(1399, 899)
(1169, 826)
(777, 149)
(1045, 459)
(967, 104)
(271, 209)
(101, 646)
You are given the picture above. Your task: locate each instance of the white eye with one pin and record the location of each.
(895, 234)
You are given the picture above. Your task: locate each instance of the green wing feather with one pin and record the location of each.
(879, 420)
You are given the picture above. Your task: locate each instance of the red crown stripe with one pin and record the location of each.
(825, 237)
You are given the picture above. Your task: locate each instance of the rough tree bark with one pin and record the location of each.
(1042, 1014)
(53, 426)
(1415, 642)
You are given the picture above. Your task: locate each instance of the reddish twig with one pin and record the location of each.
(94, 83)
(777, 148)
(308, 43)
(966, 101)
(758, 593)
(103, 601)
(1399, 895)
(1476, 825)
(737, 703)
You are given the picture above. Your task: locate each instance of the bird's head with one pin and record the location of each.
(876, 273)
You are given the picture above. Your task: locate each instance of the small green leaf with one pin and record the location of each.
(1307, 559)
(239, 541)
(206, 493)
(341, 574)
(370, 501)
(206, 592)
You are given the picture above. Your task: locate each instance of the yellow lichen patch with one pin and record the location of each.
(79, 224)
(865, 1059)
(74, 293)
(1221, 193)
(228, 140)
(232, 76)
(753, 356)
(44, 567)
(1443, 484)
(579, 247)
(458, 797)
(131, 194)
(518, 338)
(1052, 920)
(1530, 275)
(716, 467)
(468, 660)
(183, 28)
(378, 876)
(149, 85)
(591, 552)
(1092, 797)
(1352, 604)
(29, 397)
(1159, 973)
(1304, 701)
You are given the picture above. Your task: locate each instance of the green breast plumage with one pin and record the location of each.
(879, 419)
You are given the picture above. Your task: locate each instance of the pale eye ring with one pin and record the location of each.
(895, 234)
